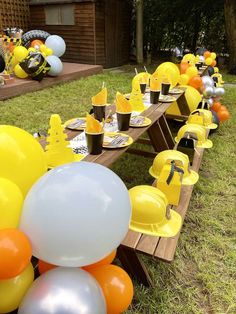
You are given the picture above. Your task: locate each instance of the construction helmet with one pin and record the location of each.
(150, 214)
(197, 132)
(180, 160)
(202, 117)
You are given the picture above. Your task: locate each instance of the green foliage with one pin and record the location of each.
(168, 24)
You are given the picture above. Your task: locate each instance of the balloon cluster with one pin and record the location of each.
(209, 86)
(74, 216)
(40, 58)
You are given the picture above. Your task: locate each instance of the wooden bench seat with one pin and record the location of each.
(159, 247)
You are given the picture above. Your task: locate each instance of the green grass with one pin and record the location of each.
(202, 278)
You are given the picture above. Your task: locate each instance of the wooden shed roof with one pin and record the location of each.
(42, 2)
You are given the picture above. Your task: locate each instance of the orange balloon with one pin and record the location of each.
(216, 106)
(43, 267)
(195, 81)
(116, 285)
(183, 67)
(213, 63)
(223, 115)
(15, 253)
(207, 54)
(36, 42)
(105, 261)
(223, 108)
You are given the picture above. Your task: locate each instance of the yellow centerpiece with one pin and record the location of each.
(122, 104)
(101, 98)
(93, 125)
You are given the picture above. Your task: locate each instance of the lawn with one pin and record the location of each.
(202, 278)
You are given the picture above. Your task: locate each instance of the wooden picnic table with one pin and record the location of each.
(160, 138)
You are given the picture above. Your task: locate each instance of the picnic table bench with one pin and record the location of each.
(160, 138)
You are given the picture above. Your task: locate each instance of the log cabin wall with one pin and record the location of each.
(100, 34)
(79, 37)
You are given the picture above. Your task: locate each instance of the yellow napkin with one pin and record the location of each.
(92, 125)
(136, 98)
(122, 104)
(100, 98)
(155, 83)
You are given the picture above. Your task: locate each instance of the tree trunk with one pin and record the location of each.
(230, 25)
(139, 30)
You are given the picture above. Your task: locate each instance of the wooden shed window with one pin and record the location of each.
(60, 14)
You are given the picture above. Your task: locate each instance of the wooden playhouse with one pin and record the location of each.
(95, 31)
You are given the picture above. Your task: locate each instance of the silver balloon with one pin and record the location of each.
(64, 291)
(208, 92)
(201, 59)
(210, 101)
(219, 91)
(207, 81)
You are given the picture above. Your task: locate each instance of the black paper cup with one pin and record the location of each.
(123, 120)
(143, 87)
(99, 112)
(94, 142)
(154, 96)
(165, 87)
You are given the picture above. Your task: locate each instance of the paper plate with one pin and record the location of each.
(116, 140)
(166, 98)
(139, 122)
(176, 91)
(77, 124)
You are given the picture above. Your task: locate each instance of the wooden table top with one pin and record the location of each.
(109, 156)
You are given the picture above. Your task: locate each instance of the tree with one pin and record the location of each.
(230, 23)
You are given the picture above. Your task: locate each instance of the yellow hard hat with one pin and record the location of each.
(202, 117)
(197, 132)
(181, 160)
(149, 212)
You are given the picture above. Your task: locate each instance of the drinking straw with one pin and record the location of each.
(136, 71)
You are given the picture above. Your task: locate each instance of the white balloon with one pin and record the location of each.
(210, 101)
(55, 64)
(201, 59)
(76, 214)
(207, 81)
(219, 91)
(57, 44)
(208, 91)
(64, 291)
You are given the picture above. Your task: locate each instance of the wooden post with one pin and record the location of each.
(139, 31)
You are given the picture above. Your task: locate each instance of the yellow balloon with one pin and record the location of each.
(216, 70)
(193, 98)
(183, 80)
(42, 48)
(48, 51)
(197, 59)
(213, 55)
(11, 200)
(192, 71)
(20, 53)
(170, 70)
(31, 49)
(19, 72)
(141, 77)
(13, 290)
(208, 61)
(22, 159)
(190, 58)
